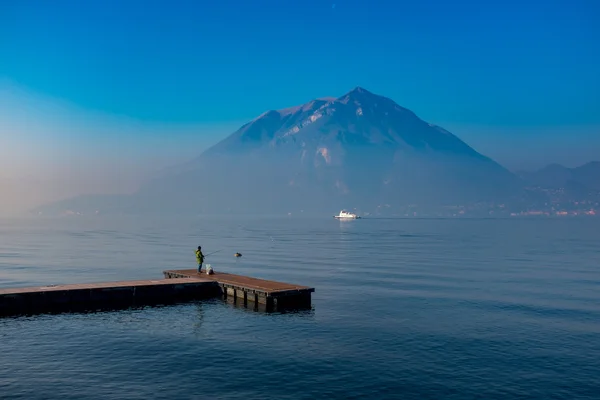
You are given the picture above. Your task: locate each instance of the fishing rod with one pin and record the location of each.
(237, 254)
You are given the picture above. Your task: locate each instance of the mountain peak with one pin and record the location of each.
(362, 97)
(358, 95)
(359, 89)
(359, 92)
(359, 118)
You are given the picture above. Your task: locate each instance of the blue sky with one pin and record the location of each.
(509, 77)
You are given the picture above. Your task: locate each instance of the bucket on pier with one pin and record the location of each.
(209, 270)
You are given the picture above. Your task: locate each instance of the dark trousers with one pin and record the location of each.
(199, 267)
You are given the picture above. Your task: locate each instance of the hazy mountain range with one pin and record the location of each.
(557, 176)
(578, 183)
(359, 150)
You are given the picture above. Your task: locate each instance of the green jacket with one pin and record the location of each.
(199, 257)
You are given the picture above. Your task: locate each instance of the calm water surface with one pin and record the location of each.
(407, 309)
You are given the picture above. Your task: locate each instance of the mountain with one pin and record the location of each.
(579, 182)
(358, 150)
(588, 175)
(558, 176)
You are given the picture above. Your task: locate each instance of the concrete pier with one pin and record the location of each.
(179, 286)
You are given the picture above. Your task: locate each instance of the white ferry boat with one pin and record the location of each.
(346, 215)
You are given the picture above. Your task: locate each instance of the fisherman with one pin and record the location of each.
(199, 258)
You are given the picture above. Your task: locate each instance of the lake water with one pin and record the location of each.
(403, 308)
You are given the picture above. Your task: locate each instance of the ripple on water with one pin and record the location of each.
(412, 309)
